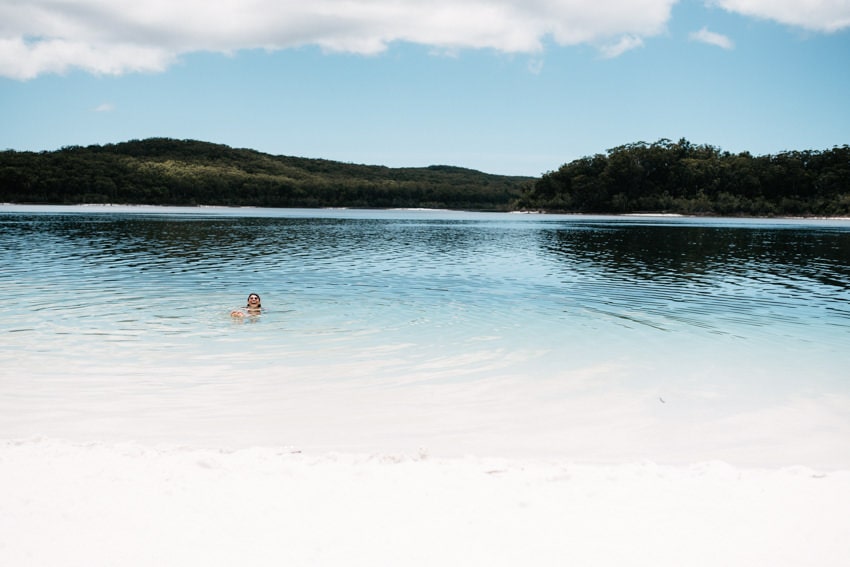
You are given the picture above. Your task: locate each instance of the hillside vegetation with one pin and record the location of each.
(663, 177)
(163, 171)
(679, 177)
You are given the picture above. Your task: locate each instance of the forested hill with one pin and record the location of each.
(664, 176)
(680, 177)
(162, 171)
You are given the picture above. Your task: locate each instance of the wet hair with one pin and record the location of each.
(248, 303)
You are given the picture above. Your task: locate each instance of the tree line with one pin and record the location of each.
(664, 176)
(163, 171)
(680, 177)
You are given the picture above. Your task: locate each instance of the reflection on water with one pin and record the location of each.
(400, 297)
(140, 276)
(713, 277)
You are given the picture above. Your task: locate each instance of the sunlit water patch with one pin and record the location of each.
(591, 337)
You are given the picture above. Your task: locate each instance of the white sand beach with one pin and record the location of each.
(492, 473)
(97, 504)
(401, 476)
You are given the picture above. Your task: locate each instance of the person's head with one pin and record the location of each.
(254, 300)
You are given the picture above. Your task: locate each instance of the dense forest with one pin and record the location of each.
(664, 177)
(162, 171)
(679, 177)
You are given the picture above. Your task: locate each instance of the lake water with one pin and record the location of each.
(447, 333)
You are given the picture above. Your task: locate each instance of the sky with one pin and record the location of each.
(514, 87)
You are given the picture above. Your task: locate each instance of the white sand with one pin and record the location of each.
(66, 504)
(687, 481)
(588, 474)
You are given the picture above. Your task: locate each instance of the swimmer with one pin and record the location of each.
(254, 307)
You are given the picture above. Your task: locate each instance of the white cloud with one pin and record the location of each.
(119, 36)
(712, 38)
(815, 15)
(105, 107)
(626, 43)
(26, 59)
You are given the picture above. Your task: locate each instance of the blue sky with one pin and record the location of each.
(503, 86)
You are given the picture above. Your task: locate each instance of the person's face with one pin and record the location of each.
(253, 300)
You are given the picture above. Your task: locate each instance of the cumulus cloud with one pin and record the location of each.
(119, 36)
(815, 15)
(22, 58)
(712, 38)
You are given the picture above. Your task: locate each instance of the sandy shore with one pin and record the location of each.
(96, 504)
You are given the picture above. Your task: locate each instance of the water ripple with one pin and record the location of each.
(166, 283)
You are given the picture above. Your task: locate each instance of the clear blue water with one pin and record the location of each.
(387, 330)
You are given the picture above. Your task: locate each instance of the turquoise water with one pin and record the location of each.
(598, 337)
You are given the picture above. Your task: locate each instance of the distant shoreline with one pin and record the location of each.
(183, 208)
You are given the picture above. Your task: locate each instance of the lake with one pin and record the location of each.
(599, 339)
